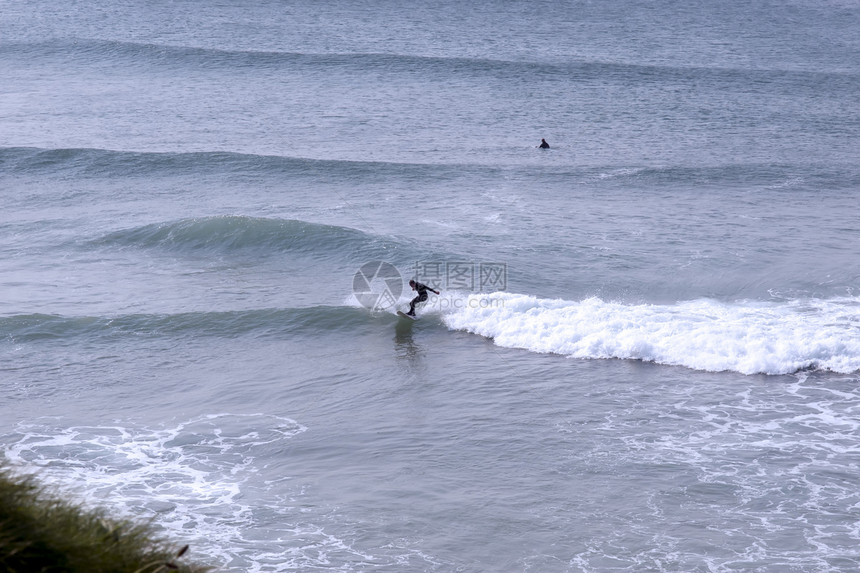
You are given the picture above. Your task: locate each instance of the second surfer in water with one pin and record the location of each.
(422, 295)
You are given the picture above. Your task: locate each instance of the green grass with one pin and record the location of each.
(41, 532)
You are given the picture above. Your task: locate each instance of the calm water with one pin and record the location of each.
(646, 353)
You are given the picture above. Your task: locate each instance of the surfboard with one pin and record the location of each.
(404, 315)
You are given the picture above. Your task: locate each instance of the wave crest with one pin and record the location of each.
(231, 233)
(34, 328)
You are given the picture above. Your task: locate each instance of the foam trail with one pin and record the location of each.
(750, 337)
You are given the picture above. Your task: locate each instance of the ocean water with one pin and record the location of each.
(646, 351)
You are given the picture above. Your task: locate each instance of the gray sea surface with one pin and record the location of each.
(645, 351)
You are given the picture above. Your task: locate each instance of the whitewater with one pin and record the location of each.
(750, 337)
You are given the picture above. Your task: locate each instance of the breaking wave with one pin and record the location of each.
(749, 337)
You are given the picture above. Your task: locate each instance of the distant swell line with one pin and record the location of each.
(85, 163)
(212, 58)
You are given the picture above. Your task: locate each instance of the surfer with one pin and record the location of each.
(543, 144)
(422, 295)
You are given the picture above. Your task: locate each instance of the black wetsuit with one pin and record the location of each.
(422, 296)
(543, 144)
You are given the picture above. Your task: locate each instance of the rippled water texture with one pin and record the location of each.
(644, 355)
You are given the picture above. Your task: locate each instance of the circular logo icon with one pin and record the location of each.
(377, 285)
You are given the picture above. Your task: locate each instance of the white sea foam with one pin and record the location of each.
(193, 475)
(750, 337)
(209, 481)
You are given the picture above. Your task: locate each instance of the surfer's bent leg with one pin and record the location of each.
(420, 298)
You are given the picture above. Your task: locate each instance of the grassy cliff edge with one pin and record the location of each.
(41, 532)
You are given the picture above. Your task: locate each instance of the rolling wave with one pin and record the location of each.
(189, 57)
(34, 328)
(746, 337)
(232, 232)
